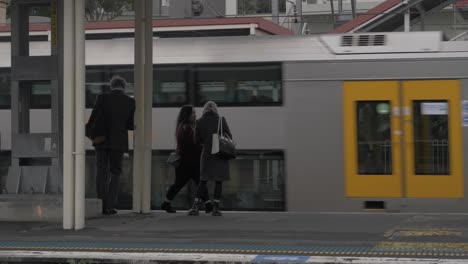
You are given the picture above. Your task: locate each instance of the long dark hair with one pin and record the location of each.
(184, 116)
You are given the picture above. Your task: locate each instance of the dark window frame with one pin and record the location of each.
(197, 103)
(192, 90)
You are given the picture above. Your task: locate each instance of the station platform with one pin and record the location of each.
(243, 237)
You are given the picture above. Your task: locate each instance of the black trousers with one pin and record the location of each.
(188, 170)
(109, 168)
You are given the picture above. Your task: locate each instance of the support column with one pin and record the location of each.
(353, 8)
(299, 15)
(143, 114)
(68, 49)
(407, 17)
(80, 154)
(73, 115)
(231, 8)
(275, 11)
(148, 101)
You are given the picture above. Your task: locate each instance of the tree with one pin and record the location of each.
(106, 10)
(246, 7)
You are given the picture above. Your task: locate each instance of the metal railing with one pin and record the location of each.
(439, 157)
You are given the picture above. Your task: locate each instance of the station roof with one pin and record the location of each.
(262, 24)
(388, 16)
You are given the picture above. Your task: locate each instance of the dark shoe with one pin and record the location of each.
(208, 207)
(167, 207)
(109, 212)
(195, 209)
(216, 211)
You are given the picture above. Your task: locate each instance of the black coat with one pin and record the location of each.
(112, 117)
(212, 168)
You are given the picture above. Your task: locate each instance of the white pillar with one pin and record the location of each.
(138, 134)
(407, 20)
(407, 17)
(148, 98)
(80, 155)
(143, 114)
(299, 15)
(231, 8)
(275, 11)
(68, 49)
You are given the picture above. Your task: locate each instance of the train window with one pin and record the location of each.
(5, 82)
(98, 77)
(170, 85)
(257, 182)
(374, 138)
(97, 82)
(239, 84)
(431, 137)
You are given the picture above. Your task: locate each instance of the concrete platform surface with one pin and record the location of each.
(293, 237)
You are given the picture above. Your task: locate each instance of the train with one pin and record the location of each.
(322, 123)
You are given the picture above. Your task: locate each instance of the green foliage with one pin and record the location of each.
(106, 10)
(95, 10)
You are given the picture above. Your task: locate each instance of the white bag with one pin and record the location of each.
(215, 144)
(215, 138)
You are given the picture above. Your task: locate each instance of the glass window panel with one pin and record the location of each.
(374, 137)
(431, 137)
(249, 7)
(170, 85)
(41, 94)
(97, 82)
(257, 182)
(5, 83)
(245, 84)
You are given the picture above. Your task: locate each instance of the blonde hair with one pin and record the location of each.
(210, 106)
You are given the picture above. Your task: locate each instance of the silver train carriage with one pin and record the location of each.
(322, 123)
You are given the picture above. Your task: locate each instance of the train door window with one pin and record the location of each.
(170, 85)
(431, 137)
(374, 138)
(5, 82)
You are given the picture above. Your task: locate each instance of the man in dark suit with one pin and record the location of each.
(108, 126)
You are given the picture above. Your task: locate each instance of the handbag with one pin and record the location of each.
(95, 127)
(222, 145)
(174, 159)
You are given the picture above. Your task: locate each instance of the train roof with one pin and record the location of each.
(331, 47)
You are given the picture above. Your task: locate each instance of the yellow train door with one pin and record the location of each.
(433, 145)
(372, 139)
(402, 139)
